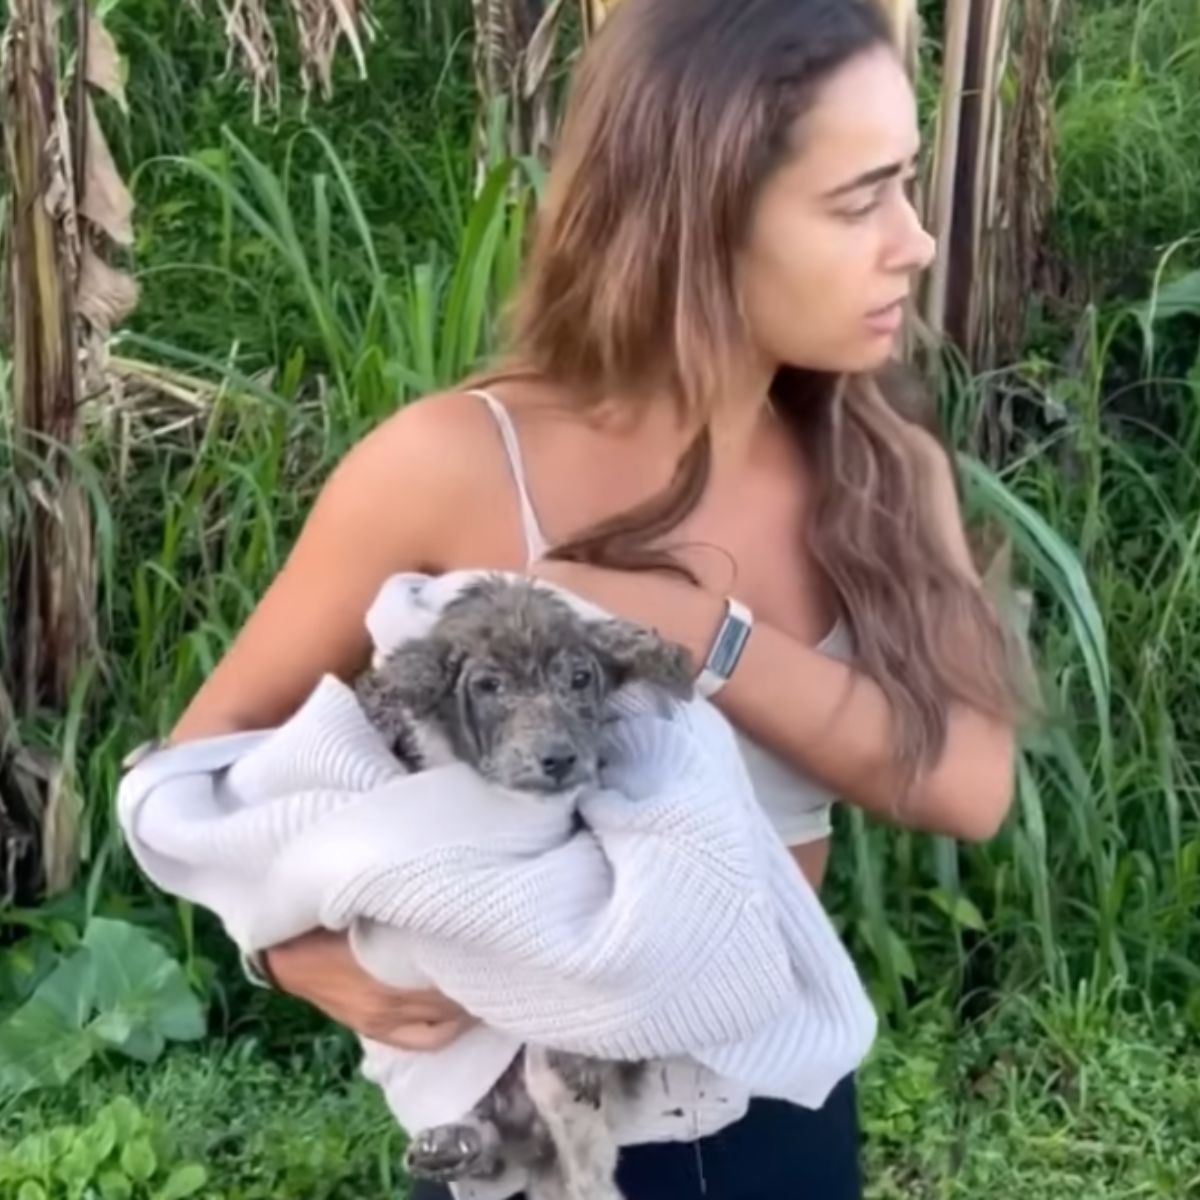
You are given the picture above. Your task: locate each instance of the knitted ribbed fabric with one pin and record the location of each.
(673, 926)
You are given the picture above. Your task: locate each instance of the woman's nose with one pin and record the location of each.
(913, 248)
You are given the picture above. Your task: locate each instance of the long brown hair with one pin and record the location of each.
(680, 109)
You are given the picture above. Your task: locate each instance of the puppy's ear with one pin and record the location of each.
(630, 652)
(417, 674)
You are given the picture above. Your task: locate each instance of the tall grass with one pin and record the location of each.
(1096, 878)
(205, 513)
(410, 119)
(1129, 126)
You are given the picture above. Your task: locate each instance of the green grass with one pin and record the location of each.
(262, 1130)
(409, 122)
(1043, 1098)
(1129, 138)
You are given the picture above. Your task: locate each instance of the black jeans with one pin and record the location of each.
(775, 1152)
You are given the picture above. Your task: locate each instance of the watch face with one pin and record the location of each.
(727, 648)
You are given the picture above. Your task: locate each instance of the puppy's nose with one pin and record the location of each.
(559, 764)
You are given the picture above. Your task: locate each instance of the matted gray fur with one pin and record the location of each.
(514, 681)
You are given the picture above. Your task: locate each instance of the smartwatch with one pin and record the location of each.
(726, 649)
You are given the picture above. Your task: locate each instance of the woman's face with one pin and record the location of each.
(834, 243)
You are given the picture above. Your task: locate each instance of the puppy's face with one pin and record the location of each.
(517, 681)
(530, 720)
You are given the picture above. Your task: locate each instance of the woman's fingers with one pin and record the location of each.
(320, 968)
(426, 1035)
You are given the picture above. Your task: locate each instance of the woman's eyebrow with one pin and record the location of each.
(874, 176)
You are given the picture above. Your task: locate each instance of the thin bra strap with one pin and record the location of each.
(536, 544)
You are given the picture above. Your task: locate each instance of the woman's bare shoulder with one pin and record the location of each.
(433, 436)
(427, 464)
(415, 494)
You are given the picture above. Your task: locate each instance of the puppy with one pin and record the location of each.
(514, 681)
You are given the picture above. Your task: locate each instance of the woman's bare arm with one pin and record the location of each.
(824, 716)
(395, 503)
(842, 726)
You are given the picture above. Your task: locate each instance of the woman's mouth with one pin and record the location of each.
(887, 320)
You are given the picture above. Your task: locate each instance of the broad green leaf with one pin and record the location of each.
(1179, 297)
(138, 1160)
(141, 992)
(183, 1181)
(80, 1163)
(120, 989)
(124, 1116)
(101, 1137)
(113, 1028)
(115, 1185)
(959, 909)
(43, 1043)
(37, 1153)
(24, 966)
(30, 1190)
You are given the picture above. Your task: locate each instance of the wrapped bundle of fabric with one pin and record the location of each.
(653, 917)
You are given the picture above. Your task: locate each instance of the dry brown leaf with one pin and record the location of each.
(540, 52)
(42, 233)
(251, 40)
(595, 13)
(59, 179)
(60, 831)
(106, 200)
(904, 18)
(66, 634)
(939, 215)
(320, 26)
(104, 296)
(104, 61)
(349, 15)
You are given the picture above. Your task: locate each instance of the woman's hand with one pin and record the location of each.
(320, 968)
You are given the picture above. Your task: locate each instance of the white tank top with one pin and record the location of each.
(799, 808)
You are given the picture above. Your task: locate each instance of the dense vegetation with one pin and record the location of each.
(302, 277)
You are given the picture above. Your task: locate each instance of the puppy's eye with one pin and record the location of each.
(487, 685)
(581, 678)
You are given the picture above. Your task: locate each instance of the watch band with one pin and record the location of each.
(726, 649)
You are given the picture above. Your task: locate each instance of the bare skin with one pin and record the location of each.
(430, 490)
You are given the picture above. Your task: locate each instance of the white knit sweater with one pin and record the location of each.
(674, 926)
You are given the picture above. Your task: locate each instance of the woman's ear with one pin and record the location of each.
(629, 652)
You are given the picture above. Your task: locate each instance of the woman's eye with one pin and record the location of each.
(861, 213)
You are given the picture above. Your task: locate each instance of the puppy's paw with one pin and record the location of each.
(450, 1152)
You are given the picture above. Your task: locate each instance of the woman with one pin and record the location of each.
(694, 405)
